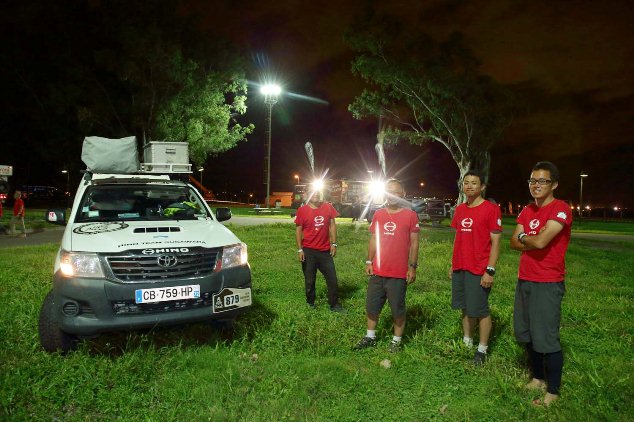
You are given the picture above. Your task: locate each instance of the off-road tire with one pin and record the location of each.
(52, 338)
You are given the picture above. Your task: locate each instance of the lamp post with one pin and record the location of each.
(422, 184)
(67, 193)
(296, 178)
(200, 170)
(581, 177)
(270, 92)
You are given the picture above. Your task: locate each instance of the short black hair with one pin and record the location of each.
(547, 165)
(393, 180)
(476, 173)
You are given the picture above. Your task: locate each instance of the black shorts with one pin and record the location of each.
(468, 295)
(537, 314)
(382, 288)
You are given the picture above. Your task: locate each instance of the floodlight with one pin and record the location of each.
(377, 188)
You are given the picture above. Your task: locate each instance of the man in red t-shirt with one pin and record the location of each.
(476, 248)
(18, 212)
(391, 264)
(542, 235)
(316, 236)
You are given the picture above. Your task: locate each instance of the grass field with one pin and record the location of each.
(287, 362)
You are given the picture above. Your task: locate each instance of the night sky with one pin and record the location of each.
(573, 60)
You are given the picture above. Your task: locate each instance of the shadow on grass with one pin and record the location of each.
(348, 290)
(209, 333)
(420, 318)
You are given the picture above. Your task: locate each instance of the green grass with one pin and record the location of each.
(286, 362)
(587, 226)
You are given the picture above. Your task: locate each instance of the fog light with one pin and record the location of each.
(70, 308)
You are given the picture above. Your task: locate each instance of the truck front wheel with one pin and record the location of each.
(52, 338)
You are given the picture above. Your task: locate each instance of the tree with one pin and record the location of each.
(115, 69)
(428, 91)
(170, 93)
(203, 114)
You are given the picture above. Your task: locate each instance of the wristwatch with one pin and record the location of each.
(300, 250)
(490, 271)
(368, 262)
(413, 265)
(334, 244)
(521, 237)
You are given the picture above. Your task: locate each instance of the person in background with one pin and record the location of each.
(542, 235)
(316, 237)
(3, 230)
(18, 212)
(476, 248)
(391, 264)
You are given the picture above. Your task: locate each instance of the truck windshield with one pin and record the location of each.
(140, 202)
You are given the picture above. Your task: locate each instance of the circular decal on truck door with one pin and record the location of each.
(95, 228)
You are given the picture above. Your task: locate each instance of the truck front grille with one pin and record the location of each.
(135, 267)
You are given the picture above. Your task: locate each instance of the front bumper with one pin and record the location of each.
(87, 307)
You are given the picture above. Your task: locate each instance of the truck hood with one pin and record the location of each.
(112, 237)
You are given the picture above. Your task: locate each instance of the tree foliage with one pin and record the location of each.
(120, 68)
(428, 91)
(175, 87)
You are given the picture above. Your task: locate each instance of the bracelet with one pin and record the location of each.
(300, 250)
(368, 262)
(333, 244)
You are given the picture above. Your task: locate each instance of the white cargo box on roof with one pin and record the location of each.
(166, 157)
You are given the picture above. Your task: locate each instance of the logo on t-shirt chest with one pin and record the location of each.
(533, 224)
(319, 221)
(466, 224)
(389, 228)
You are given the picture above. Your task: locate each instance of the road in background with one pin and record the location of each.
(54, 233)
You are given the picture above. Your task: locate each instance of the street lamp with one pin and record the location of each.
(270, 92)
(200, 170)
(581, 177)
(422, 184)
(297, 178)
(67, 193)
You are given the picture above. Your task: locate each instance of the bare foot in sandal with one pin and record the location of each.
(546, 401)
(536, 384)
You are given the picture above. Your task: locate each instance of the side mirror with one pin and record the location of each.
(56, 216)
(223, 214)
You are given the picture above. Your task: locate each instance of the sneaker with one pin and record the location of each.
(311, 305)
(479, 358)
(365, 343)
(394, 347)
(337, 308)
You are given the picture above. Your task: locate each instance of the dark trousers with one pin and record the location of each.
(317, 260)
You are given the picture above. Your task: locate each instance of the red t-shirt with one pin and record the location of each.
(472, 245)
(392, 232)
(315, 224)
(17, 206)
(548, 264)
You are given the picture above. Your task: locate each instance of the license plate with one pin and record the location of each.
(164, 294)
(230, 298)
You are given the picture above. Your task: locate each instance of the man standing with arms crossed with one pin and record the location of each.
(542, 235)
(476, 248)
(391, 264)
(316, 236)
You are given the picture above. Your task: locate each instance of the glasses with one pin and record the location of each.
(540, 182)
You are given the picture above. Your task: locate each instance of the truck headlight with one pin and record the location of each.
(233, 256)
(80, 265)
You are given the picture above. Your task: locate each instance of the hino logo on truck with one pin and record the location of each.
(163, 250)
